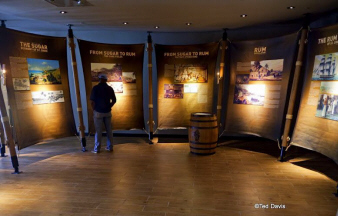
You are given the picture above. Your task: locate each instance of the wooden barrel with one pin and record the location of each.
(203, 133)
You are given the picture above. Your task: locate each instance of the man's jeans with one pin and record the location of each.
(104, 118)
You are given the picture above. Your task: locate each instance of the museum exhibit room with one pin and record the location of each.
(169, 108)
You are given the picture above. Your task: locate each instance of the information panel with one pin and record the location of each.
(37, 86)
(317, 122)
(123, 65)
(259, 78)
(185, 82)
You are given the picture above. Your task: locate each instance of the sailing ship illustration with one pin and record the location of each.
(326, 68)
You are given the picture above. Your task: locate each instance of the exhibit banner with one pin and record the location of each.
(37, 86)
(259, 79)
(123, 65)
(317, 122)
(186, 76)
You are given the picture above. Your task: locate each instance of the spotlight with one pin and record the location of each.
(291, 7)
(3, 73)
(243, 15)
(156, 27)
(63, 12)
(188, 24)
(125, 23)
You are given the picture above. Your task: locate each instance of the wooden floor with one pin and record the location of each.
(165, 179)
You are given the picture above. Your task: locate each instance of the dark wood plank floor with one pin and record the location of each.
(165, 179)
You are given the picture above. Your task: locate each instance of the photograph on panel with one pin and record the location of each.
(266, 70)
(242, 78)
(43, 71)
(173, 91)
(128, 77)
(190, 73)
(117, 86)
(328, 101)
(249, 94)
(325, 67)
(46, 97)
(113, 71)
(21, 84)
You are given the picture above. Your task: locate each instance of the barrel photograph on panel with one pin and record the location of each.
(325, 67)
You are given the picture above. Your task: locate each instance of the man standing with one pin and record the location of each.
(102, 100)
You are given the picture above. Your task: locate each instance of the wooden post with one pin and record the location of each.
(3, 142)
(220, 80)
(77, 88)
(150, 71)
(289, 115)
(7, 129)
(2, 133)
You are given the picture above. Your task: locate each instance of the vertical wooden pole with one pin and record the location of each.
(150, 71)
(3, 142)
(2, 132)
(293, 94)
(77, 88)
(7, 129)
(220, 80)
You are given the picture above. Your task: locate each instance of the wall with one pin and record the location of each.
(132, 37)
(135, 37)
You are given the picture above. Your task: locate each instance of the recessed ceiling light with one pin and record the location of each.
(291, 7)
(244, 15)
(63, 12)
(125, 23)
(156, 27)
(188, 24)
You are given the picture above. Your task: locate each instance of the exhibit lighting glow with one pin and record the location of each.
(257, 89)
(125, 23)
(156, 27)
(188, 24)
(291, 7)
(2, 67)
(244, 15)
(63, 12)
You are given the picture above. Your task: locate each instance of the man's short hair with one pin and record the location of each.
(103, 76)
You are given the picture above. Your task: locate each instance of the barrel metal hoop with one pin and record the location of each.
(204, 114)
(194, 127)
(202, 143)
(203, 148)
(196, 153)
(203, 121)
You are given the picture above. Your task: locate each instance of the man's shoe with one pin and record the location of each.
(95, 152)
(109, 149)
